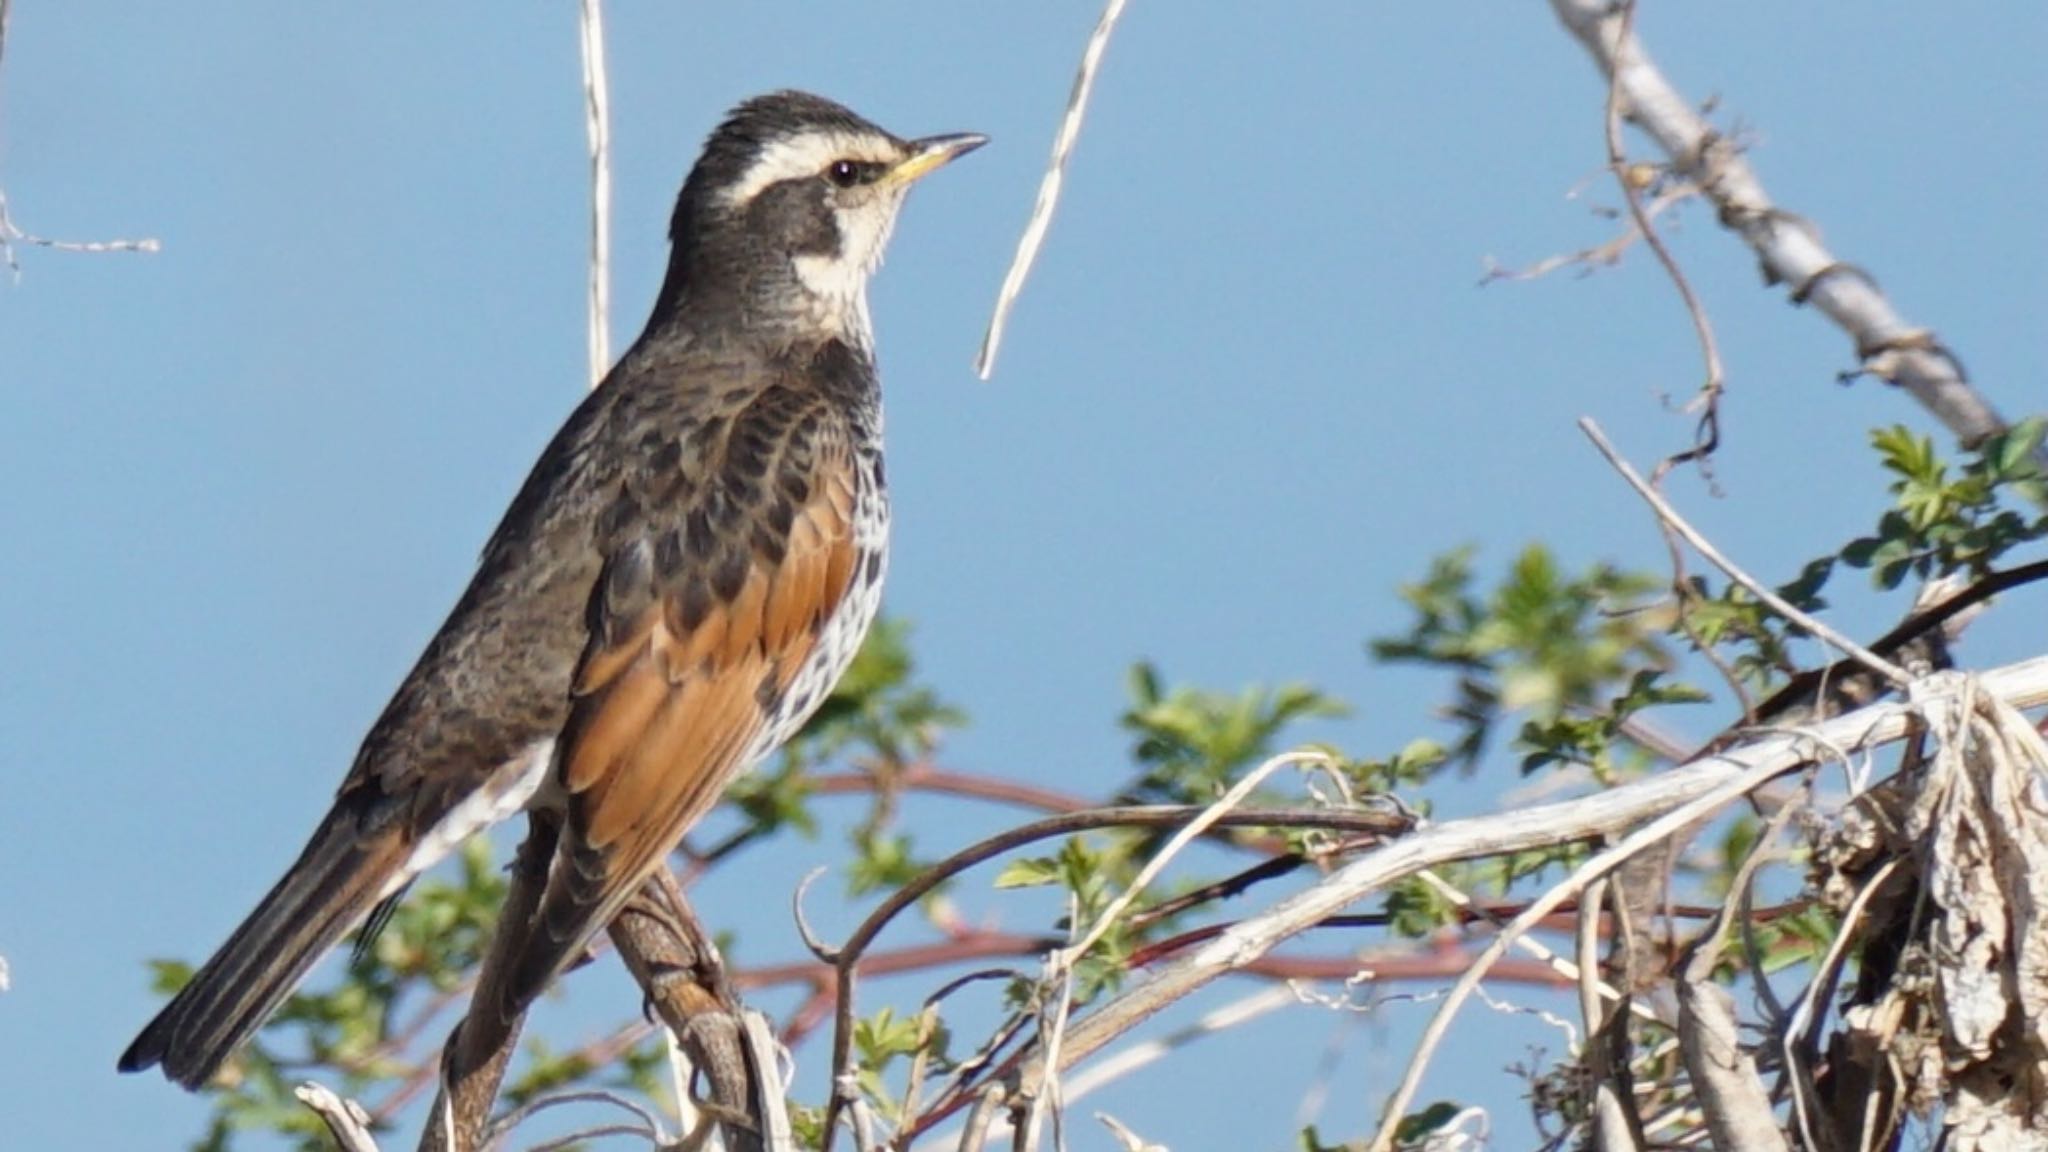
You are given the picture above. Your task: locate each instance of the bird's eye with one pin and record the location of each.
(845, 173)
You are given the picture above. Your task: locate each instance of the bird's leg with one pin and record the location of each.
(678, 969)
(474, 1060)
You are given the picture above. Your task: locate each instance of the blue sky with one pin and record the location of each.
(1251, 388)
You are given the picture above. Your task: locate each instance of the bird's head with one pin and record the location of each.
(789, 208)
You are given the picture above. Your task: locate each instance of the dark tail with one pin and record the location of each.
(336, 881)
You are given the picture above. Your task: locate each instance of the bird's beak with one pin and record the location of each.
(933, 153)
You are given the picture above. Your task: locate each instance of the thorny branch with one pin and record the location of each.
(1788, 247)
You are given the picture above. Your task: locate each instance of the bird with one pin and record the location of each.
(678, 584)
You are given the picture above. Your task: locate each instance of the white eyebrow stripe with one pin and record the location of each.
(799, 156)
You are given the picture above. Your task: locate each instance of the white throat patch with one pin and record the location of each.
(839, 284)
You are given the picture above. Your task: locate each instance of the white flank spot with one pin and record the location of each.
(504, 794)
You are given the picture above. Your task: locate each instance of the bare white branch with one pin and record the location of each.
(597, 128)
(1736, 1105)
(12, 237)
(1603, 814)
(1789, 247)
(771, 1108)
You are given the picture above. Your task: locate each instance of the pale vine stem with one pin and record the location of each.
(597, 130)
(1709, 398)
(1048, 188)
(1722, 1072)
(1669, 517)
(1612, 1112)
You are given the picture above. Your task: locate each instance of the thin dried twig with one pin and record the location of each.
(650, 1125)
(12, 237)
(1048, 188)
(1627, 176)
(1670, 517)
(1604, 253)
(1054, 1011)
(579, 1139)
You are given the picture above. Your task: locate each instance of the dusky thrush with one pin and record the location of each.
(680, 581)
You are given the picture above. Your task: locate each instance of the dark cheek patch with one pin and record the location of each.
(798, 213)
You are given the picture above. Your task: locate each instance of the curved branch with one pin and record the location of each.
(846, 960)
(925, 778)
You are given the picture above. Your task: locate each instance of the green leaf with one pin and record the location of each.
(2010, 453)
(1030, 872)
(1416, 1125)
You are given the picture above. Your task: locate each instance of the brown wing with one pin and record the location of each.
(697, 632)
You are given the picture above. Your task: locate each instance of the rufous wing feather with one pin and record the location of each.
(671, 702)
